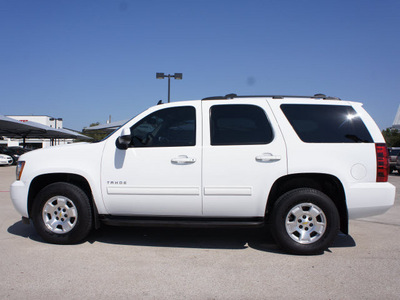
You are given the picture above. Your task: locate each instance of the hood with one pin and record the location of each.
(68, 150)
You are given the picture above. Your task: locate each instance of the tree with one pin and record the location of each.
(392, 137)
(96, 135)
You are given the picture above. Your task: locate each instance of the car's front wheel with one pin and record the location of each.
(62, 214)
(305, 221)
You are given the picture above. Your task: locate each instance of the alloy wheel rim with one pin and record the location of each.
(60, 214)
(305, 223)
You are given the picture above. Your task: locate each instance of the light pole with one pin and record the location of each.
(162, 76)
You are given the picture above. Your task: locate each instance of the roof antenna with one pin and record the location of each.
(159, 102)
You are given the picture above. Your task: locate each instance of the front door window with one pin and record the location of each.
(171, 127)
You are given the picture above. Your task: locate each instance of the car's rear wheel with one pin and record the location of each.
(62, 214)
(305, 221)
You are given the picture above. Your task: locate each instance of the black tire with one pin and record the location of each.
(62, 214)
(304, 221)
(14, 160)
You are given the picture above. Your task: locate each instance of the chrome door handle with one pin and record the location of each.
(183, 160)
(267, 157)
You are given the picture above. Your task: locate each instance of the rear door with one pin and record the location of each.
(243, 154)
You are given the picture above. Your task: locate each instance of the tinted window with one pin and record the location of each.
(239, 125)
(326, 123)
(170, 127)
(394, 152)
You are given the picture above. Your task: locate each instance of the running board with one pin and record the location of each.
(181, 222)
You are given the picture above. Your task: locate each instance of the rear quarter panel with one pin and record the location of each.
(354, 164)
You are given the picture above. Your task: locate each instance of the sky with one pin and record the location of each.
(84, 60)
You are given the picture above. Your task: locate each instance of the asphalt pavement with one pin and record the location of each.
(157, 263)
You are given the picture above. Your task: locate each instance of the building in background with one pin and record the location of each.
(36, 142)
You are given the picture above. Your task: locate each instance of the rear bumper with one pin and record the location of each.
(369, 199)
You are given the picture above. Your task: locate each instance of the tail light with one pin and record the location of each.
(382, 163)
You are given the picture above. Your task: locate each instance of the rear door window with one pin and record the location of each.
(239, 124)
(326, 123)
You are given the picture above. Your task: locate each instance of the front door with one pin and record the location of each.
(160, 172)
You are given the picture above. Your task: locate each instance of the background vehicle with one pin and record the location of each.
(19, 150)
(393, 153)
(14, 152)
(221, 161)
(398, 163)
(6, 160)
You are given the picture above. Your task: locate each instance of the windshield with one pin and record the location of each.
(108, 135)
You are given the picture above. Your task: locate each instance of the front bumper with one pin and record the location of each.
(19, 197)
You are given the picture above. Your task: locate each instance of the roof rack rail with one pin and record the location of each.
(232, 96)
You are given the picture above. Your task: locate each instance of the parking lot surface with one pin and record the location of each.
(159, 263)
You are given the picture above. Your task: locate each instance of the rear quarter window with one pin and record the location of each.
(326, 123)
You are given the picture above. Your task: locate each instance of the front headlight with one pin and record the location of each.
(19, 169)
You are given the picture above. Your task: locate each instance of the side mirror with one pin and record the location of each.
(124, 139)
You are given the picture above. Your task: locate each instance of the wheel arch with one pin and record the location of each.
(327, 184)
(41, 181)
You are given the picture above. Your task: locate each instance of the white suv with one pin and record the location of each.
(303, 165)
